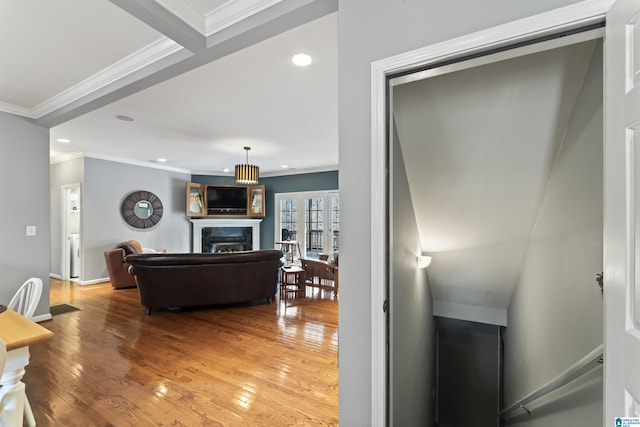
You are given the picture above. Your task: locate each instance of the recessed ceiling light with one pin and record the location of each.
(284, 167)
(124, 118)
(225, 170)
(301, 59)
(161, 160)
(63, 140)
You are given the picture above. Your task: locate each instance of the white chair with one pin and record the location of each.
(3, 361)
(25, 302)
(27, 298)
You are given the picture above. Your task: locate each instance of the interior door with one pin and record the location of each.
(622, 212)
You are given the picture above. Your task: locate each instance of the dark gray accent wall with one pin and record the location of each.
(411, 340)
(369, 31)
(317, 181)
(24, 171)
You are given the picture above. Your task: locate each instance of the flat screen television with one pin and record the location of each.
(226, 200)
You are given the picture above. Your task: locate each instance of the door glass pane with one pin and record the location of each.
(314, 226)
(335, 224)
(288, 219)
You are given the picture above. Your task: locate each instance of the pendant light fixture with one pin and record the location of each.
(246, 173)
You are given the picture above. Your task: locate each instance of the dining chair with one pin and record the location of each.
(25, 302)
(3, 357)
(3, 361)
(27, 297)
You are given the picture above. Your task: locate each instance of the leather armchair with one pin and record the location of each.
(117, 267)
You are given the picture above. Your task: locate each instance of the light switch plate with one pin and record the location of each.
(31, 230)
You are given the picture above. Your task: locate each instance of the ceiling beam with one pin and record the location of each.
(279, 18)
(163, 21)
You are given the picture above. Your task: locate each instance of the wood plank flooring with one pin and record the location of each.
(252, 365)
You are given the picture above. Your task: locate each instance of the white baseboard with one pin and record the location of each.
(91, 282)
(42, 317)
(81, 282)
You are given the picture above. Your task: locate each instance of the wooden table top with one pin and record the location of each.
(17, 331)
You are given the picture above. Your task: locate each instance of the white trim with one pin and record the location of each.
(281, 172)
(42, 317)
(199, 224)
(18, 110)
(217, 19)
(144, 57)
(186, 12)
(233, 12)
(558, 20)
(135, 162)
(65, 157)
(91, 282)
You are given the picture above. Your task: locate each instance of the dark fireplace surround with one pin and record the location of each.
(227, 239)
(225, 235)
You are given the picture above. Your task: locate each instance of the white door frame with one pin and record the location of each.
(564, 19)
(65, 243)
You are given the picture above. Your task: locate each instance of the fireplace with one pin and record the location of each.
(225, 235)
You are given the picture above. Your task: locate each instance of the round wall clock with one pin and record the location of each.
(141, 209)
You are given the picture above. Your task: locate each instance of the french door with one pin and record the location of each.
(310, 218)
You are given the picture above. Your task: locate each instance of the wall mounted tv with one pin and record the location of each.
(226, 200)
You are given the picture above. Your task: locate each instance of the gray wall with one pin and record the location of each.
(411, 315)
(104, 185)
(278, 184)
(24, 170)
(368, 31)
(556, 313)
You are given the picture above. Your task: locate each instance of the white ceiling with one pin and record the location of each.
(196, 100)
(479, 146)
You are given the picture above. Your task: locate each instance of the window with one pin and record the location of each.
(311, 218)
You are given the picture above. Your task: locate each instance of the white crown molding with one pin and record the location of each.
(76, 155)
(186, 12)
(284, 172)
(144, 57)
(229, 13)
(136, 163)
(233, 12)
(65, 157)
(17, 110)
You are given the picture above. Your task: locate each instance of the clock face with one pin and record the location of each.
(141, 209)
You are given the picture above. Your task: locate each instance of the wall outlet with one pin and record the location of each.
(31, 230)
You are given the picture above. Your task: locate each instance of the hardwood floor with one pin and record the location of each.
(253, 365)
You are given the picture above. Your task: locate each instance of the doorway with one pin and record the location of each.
(477, 45)
(71, 268)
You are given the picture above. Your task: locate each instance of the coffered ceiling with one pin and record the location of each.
(201, 79)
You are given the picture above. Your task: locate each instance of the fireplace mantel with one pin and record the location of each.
(199, 224)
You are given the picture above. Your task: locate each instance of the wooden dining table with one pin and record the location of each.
(18, 333)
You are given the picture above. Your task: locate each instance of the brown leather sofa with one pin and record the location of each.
(117, 268)
(199, 279)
